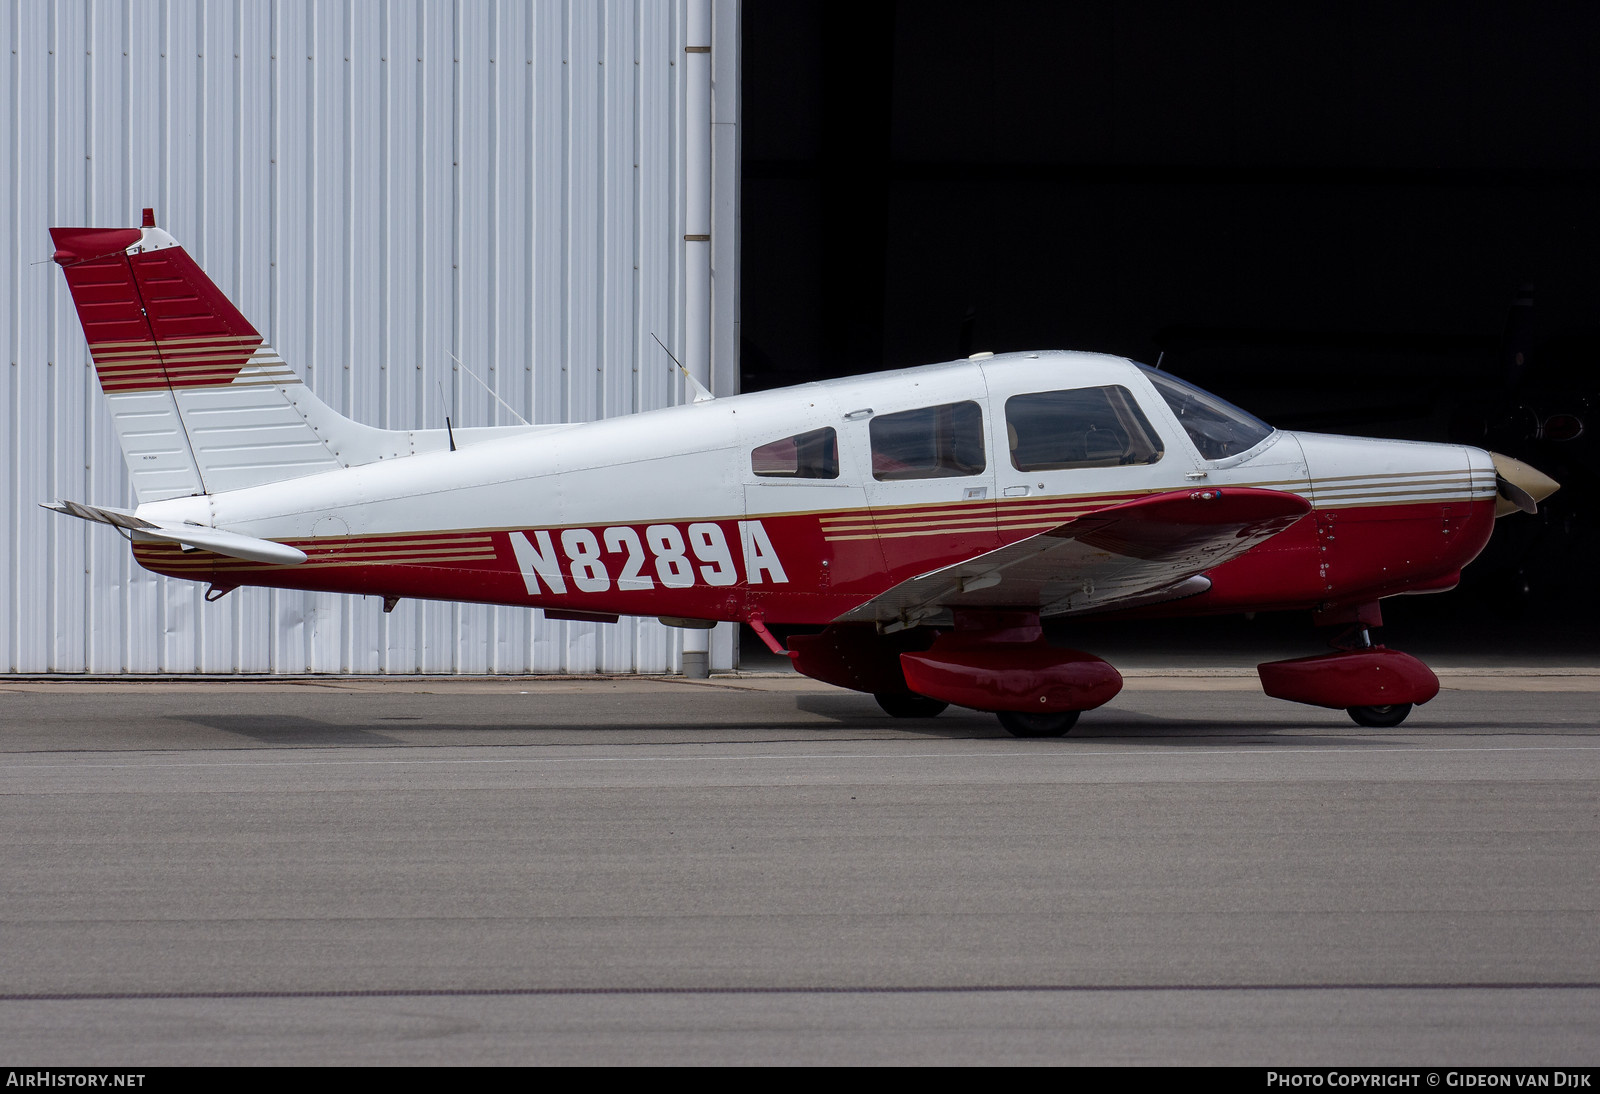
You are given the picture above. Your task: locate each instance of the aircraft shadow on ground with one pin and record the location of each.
(290, 729)
(846, 712)
(1133, 726)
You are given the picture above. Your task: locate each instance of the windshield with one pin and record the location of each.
(1217, 427)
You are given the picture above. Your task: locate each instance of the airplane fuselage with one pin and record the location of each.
(792, 506)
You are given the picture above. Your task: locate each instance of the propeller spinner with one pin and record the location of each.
(1521, 486)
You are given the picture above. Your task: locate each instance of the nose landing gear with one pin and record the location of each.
(1375, 685)
(1380, 717)
(1020, 723)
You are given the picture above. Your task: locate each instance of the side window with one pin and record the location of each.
(1085, 427)
(813, 455)
(934, 442)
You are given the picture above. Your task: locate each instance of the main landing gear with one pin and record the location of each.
(991, 659)
(1023, 723)
(998, 660)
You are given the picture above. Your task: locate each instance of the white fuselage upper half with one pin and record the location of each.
(693, 462)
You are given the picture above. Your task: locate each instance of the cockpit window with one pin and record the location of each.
(934, 442)
(1084, 427)
(1217, 427)
(813, 455)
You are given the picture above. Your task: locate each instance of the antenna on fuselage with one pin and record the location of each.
(486, 387)
(1159, 356)
(448, 432)
(701, 395)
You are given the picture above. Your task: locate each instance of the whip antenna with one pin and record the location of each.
(701, 395)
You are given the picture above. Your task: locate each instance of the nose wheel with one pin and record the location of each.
(1022, 724)
(1384, 717)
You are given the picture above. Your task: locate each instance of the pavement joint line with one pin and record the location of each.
(854, 757)
(800, 989)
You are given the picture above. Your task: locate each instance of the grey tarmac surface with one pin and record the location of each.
(768, 870)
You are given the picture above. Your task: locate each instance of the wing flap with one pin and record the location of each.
(1141, 552)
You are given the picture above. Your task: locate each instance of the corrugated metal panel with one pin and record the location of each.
(378, 186)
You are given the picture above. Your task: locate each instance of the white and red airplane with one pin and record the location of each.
(925, 519)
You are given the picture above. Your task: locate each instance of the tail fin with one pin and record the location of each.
(201, 404)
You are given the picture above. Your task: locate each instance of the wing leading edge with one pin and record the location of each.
(1146, 551)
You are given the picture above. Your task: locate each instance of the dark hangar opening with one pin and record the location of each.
(1326, 216)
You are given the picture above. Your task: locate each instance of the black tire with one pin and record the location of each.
(1020, 724)
(1384, 717)
(909, 706)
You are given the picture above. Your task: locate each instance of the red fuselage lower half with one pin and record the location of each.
(811, 568)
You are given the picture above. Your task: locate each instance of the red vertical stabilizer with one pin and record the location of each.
(152, 318)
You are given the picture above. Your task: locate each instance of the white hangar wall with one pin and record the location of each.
(378, 186)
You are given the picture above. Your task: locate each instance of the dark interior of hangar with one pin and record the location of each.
(1327, 214)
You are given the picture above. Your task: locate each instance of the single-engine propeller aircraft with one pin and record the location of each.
(926, 519)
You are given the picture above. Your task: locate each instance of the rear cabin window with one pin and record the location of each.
(935, 442)
(813, 455)
(1084, 427)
